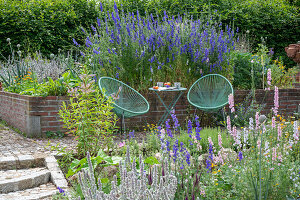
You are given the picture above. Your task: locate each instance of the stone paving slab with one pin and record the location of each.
(12, 174)
(44, 191)
(25, 181)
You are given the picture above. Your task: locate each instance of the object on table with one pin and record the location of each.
(177, 84)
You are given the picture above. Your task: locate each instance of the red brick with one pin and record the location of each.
(51, 98)
(58, 123)
(49, 108)
(46, 118)
(35, 113)
(53, 113)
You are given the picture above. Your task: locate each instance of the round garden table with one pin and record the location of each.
(179, 92)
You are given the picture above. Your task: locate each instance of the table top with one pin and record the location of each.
(170, 89)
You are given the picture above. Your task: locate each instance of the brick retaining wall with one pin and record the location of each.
(31, 115)
(36, 115)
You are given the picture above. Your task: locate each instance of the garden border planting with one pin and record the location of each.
(34, 116)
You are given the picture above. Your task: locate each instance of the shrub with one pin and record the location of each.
(89, 116)
(43, 25)
(143, 50)
(250, 71)
(246, 73)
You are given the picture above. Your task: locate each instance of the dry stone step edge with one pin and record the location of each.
(25, 182)
(42, 192)
(27, 161)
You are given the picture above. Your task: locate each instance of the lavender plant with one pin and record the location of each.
(143, 50)
(133, 184)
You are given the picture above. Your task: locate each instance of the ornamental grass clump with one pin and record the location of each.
(143, 50)
(133, 184)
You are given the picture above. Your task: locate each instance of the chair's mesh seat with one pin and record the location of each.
(210, 93)
(127, 101)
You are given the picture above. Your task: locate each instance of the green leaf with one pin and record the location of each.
(151, 160)
(104, 180)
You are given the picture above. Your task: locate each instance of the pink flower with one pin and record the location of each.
(210, 141)
(276, 101)
(258, 143)
(279, 156)
(220, 140)
(228, 124)
(121, 144)
(296, 132)
(234, 131)
(231, 102)
(278, 132)
(273, 122)
(256, 121)
(269, 79)
(274, 155)
(202, 192)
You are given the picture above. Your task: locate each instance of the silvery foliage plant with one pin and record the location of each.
(41, 66)
(134, 184)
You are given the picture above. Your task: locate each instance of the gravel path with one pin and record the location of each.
(13, 144)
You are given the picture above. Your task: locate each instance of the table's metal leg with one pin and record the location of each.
(172, 104)
(168, 109)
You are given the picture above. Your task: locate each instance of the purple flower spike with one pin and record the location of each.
(240, 156)
(131, 134)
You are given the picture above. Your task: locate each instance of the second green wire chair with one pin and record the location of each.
(210, 92)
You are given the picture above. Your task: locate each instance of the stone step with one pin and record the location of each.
(44, 191)
(16, 180)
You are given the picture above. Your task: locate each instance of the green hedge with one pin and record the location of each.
(43, 25)
(277, 21)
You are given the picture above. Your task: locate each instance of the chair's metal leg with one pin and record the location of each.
(123, 122)
(121, 125)
(223, 112)
(224, 118)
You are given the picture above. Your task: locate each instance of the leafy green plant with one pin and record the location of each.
(282, 77)
(243, 69)
(89, 116)
(58, 134)
(101, 159)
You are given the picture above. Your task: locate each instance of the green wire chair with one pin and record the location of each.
(127, 101)
(210, 92)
